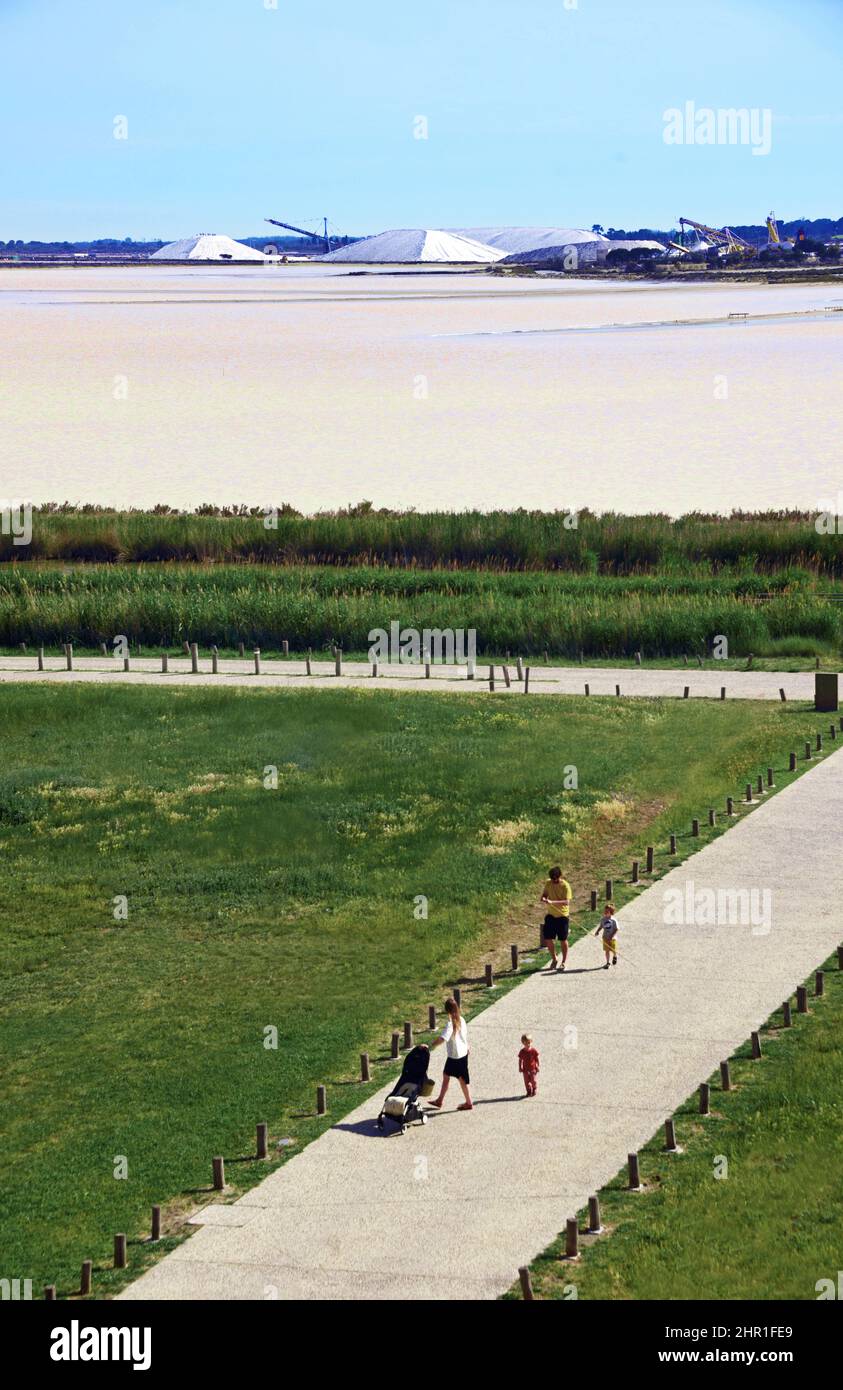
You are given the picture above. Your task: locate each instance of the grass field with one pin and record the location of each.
(789, 615)
(766, 1225)
(609, 543)
(291, 908)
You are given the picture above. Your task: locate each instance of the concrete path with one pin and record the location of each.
(453, 1208)
(544, 680)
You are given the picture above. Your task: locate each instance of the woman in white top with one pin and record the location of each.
(455, 1037)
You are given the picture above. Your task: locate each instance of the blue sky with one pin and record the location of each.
(538, 111)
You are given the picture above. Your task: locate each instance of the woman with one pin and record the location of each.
(455, 1037)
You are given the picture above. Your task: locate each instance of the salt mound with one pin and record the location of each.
(412, 245)
(207, 246)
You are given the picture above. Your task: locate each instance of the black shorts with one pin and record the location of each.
(458, 1068)
(556, 926)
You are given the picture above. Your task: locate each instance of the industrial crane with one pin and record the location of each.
(311, 236)
(721, 237)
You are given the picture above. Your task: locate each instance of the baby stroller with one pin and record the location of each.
(402, 1105)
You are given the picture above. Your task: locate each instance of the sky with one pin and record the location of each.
(161, 118)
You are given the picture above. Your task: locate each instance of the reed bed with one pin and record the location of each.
(518, 540)
(308, 606)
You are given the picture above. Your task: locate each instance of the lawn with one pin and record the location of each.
(763, 1225)
(254, 907)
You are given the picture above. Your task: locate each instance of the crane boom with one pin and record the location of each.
(302, 231)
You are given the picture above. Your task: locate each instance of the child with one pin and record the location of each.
(609, 928)
(528, 1064)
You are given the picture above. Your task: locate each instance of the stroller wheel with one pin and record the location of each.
(403, 1129)
(424, 1117)
(380, 1121)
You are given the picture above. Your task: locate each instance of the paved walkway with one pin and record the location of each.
(453, 1209)
(544, 680)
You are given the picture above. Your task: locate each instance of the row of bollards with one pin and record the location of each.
(634, 1183)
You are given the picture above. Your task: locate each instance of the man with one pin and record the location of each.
(557, 896)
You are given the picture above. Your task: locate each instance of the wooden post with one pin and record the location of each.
(617, 690)
(635, 870)
(594, 902)
(793, 762)
(840, 957)
(156, 1222)
(637, 658)
(526, 1284)
(165, 663)
(749, 791)
(50, 1293)
(595, 1225)
(194, 658)
(722, 692)
(469, 672)
(832, 732)
(431, 1016)
(395, 1045)
(756, 1046)
(712, 816)
(730, 806)
(40, 658)
(374, 670)
(781, 694)
(126, 663)
(506, 680)
(307, 669)
(759, 786)
(770, 777)
(519, 668)
(257, 656)
(120, 1260)
(408, 1035)
(670, 1143)
(261, 1133)
(725, 1077)
(85, 1277)
(572, 1239)
(215, 661)
(458, 997)
(695, 828)
(819, 743)
(338, 663)
(491, 677)
(527, 680)
(587, 688)
(808, 753)
(819, 984)
(787, 1015)
(513, 957)
(609, 886)
(427, 670)
(651, 853)
(801, 999)
(490, 978)
(241, 649)
(705, 1098)
(686, 692)
(634, 1175)
(672, 842)
(364, 1067)
(321, 1100)
(285, 647)
(218, 1167)
(68, 652)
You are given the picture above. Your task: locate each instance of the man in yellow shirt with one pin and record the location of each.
(557, 896)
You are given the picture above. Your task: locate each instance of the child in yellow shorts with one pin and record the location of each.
(609, 928)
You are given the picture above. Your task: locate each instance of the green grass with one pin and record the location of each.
(609, 543)
(787, 615)
(770, 1227)
(252, 908)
